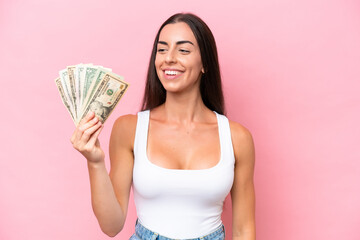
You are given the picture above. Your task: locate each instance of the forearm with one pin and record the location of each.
(245, 235)
(105, 205)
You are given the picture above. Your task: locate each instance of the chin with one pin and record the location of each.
(172, 89)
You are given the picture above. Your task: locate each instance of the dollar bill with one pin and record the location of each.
(64, 78)
(94, 83)
(79, 73)
(106, 96)
(79, 69)
(90, 73)
(85, 87)
(63, 97)
(73, 90)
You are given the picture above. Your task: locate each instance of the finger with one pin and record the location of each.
(72, 139)
(81, 129)
(88, 132)
(95, 136)
(87, 118)
(75, 135)
(89, 124)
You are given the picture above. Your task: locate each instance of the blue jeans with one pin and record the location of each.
(142, 233)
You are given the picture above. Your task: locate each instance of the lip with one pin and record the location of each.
(172, 77)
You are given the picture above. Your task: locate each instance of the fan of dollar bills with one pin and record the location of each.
(85, 87)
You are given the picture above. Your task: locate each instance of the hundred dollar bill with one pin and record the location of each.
(95, 82)
(106, 97)
(63, 98)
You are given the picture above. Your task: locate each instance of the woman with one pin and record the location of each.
(180, 153)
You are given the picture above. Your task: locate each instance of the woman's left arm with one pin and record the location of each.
(243, 192)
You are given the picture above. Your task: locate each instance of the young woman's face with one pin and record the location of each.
(178, 60)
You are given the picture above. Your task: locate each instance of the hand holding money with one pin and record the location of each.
(85, 138)
(85, 87)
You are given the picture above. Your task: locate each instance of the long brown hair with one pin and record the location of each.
(210, 83)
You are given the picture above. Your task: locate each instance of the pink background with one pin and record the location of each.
(290, 73)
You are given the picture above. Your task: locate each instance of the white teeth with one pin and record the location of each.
(168, 72)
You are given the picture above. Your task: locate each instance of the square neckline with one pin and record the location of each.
(176, 169)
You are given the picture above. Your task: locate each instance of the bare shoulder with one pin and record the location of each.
(242, 140)
(123, 131)
(239, 133)
(126, 120)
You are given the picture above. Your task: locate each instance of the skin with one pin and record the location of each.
(183, 134)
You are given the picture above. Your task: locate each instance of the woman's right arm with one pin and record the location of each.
(109, 192)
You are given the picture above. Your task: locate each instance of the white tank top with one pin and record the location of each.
(181, 203)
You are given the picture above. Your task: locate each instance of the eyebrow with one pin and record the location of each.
(177, 43)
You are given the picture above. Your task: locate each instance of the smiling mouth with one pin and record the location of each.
(172, 72)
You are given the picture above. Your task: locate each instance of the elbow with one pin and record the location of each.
(110, 224)
(111, 232)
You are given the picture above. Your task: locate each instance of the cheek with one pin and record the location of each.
(199, 62)
(158, 61)
(157, 66)
(194, 64)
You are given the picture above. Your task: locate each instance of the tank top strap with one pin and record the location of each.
(141, 132)
(225, 139)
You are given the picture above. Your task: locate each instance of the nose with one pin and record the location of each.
(170, 56)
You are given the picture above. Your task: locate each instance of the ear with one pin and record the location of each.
(202, 70)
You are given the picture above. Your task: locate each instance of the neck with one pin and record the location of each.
(184, 108)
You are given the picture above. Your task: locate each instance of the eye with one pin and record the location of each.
(160, 50)
(184, 51)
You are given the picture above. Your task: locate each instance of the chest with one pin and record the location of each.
(175, 147)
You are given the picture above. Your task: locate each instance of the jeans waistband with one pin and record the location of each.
(146, 234)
